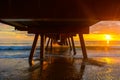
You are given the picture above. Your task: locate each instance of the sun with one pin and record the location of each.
(108, 37)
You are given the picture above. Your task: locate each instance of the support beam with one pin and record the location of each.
(42, 47)
(33, 49)
(47, 44)
(51, 46)
(66, 42)
(69, 43)
(73, 45)
(84, 52)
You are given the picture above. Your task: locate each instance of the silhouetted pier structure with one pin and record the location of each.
(52, 30)
(49, 17)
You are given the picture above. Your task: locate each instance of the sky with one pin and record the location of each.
(9, 35)
(103, 30)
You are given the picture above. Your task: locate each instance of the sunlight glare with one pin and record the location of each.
(108, 37)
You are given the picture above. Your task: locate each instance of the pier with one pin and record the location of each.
(57, 20)
(61, 35)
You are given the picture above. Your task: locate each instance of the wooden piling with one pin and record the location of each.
(47, 44)
(51, 44)
(73, 45)
(33, 49)
(69, 43)
(66, 41)
(84, 52)
(42, 47)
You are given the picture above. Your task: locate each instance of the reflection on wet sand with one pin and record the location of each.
(61, 68)
(61, 65)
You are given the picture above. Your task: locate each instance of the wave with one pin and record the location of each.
(16, 47)
(17, 53)
(38, 47)
(14, 56)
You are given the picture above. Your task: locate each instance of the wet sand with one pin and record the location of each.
(61, 67)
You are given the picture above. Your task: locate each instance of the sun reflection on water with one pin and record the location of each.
(108, 60)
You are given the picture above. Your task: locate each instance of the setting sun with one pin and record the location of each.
(108, 37)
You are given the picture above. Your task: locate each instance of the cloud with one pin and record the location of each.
(106, 27)
(4, 27)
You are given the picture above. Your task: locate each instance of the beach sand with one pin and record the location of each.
(14, 69)
(61, 68)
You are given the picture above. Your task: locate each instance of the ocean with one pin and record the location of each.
(94, 49)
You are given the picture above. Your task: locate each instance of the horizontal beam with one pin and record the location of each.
(82, 30)
(51, 25)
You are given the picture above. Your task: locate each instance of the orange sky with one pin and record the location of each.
(97, 32)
